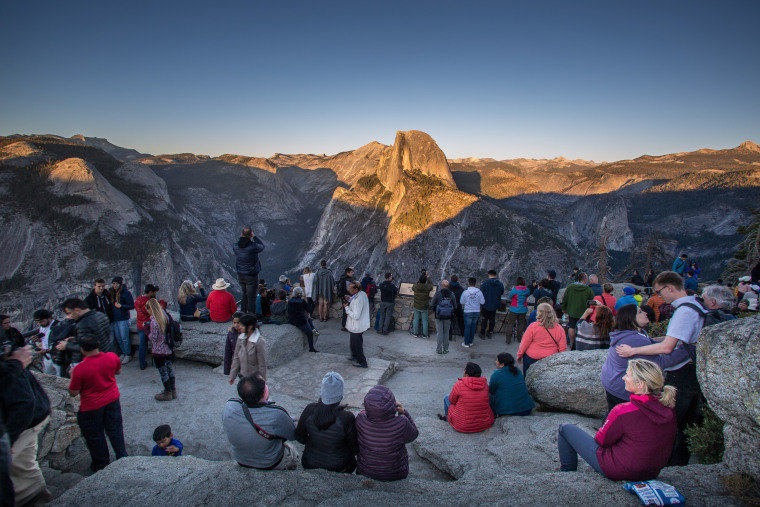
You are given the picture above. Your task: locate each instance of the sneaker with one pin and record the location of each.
(446, 351)
(125, 359)
(441, 417)
(316, 333)
(465, 345)
(359, 365)
(438, 352)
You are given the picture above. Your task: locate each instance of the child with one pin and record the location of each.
(166, 444)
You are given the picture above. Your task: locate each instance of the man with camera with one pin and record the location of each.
(89, 324)
(25, 410)
(44, 322)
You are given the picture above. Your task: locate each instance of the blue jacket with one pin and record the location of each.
(188, 309)
(492, 290)
(690, 283)
(247, 255)
(127, 303)
(598, 288)
(679, 266)
(508, 392)
(628, 299)
(518, 299)
(157, 451)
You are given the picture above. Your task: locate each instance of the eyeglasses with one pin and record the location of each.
(658, 292)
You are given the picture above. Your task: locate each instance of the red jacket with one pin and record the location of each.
(636, 439)
(142, 315)
(221, 305)
(470, 411)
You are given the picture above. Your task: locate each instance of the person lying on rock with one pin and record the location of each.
(635, 441)
(257, 429)
(467, 408)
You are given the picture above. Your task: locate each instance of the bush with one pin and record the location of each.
(706, 440)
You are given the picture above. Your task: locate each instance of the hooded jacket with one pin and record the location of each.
(382, 436)
(322, 286)
(422, 295)
(127, 303)
(615, 366)
(574, 299)
(518, 299)
(470, 410)
(247, 255)
(332, 448)
(492, 290)
(636, 439)
(100, 303)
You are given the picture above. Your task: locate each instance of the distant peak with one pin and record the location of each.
(411, 150)
(749, 146)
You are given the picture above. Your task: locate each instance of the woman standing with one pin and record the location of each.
(188, 298)
(421, 305)
(636, 439)
(543, 338)
(307, 282)
(518, 309)
(328, 430)
(250, 354)
(163, 356)
(122, 302)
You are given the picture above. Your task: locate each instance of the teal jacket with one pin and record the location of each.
(509, 395)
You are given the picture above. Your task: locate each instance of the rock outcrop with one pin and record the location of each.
(728, 367)
(413, 150)
(156, 195)
(569, 381)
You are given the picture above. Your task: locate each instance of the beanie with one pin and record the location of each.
(332, 388)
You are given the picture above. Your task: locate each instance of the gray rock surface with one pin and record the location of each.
(143, 481)
(728, 367)
(569, 381)
(204, 342)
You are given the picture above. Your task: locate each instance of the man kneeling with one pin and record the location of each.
(257, 428)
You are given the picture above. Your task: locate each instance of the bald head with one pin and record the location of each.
(593, 279)
(444, 284)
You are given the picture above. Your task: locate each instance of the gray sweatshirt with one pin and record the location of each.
(248, 447)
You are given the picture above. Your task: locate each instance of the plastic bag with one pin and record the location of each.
(655, 493)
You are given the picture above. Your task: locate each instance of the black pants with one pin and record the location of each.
(357, 348)
(249, 284)
(459, 313)
(306, 328)
(489, 317)
(687, 409)
(7, 496)
(95, 425)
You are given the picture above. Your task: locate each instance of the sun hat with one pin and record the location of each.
(220, 284)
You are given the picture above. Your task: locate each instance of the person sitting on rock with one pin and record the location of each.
(383, 429)
(279, 309)
(220, 303)
(328, 430)
(595, 335)
(509, 395)
(606, 298)
(250, 355)
(635, 441)
(257, 429)
(188, 299)
(542, 338)
(467, 407)
(264, 304)
(627, 299)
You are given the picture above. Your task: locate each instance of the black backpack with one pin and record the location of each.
(444, 309)
(173, 333)
(709, 317)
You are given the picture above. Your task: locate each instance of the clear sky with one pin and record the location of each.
(603, 80)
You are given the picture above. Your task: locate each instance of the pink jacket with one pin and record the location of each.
(470, 411)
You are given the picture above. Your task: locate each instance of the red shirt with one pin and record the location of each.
(95, 378)
(221, 305)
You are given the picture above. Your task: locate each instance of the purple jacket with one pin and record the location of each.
(615, 366)
(383, 436)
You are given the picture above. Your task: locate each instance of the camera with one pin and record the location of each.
(6, 348)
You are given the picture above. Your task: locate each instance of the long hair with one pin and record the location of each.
(325, 415)
(158, 313)
(508, 360)
(185, 290)
(546, 316)
(115, 294)
(642, 370)
(626, 318)
(605, 321)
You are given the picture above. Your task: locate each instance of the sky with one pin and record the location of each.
(604, 80)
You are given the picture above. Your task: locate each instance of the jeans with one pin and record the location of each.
(142, 351)
(446, 404)
(687, 408)
(6, 486)
(95, 425)
(527, 361)
(249, 284)
(572, 441)
(120, 330)
(489, 318)
(442, 333)
(357, 348)
(470, 324)
(422, 315)
(306, 328)
(386, 315)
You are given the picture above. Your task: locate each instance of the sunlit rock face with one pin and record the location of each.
(413, 150)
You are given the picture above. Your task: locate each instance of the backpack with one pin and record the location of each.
(709, 318)
(444, 309)
(371, 290)
(173, 333)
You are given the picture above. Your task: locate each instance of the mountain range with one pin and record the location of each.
(80, 208)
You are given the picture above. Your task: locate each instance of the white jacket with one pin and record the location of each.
(357, 313)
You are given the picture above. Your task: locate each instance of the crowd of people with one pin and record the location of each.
(651, 387)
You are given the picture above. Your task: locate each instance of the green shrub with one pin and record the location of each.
(706, 440)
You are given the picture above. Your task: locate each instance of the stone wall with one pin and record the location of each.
(61, 443)
(402, 312)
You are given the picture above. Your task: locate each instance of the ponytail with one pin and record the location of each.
(668, 396)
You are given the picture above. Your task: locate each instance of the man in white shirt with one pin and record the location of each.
(356, 308)
(44, 319)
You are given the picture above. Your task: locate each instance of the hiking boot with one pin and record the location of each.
(174, 394)
(489, 335)
(481, 336)
(164, 396)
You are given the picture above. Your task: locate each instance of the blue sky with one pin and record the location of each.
(603, 80)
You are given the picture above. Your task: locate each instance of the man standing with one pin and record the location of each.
(683, 330)
(553, 285)
(680, 265)
(257, 429)
(574, 304)
(44, 320)
(356, 308)
(444, 303)
(90, 324)
(457, 289)
(471, 300)
(343, 284)
(369, 286)
(492, 290)
(99, 409)
(248, 267)
(98, 300)
(593, 282)
(25, 411)
(388, 293)
(143, 316)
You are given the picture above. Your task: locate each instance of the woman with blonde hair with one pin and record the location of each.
(188, 298)
(635, 441)
(163, 356)
(543, 338)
